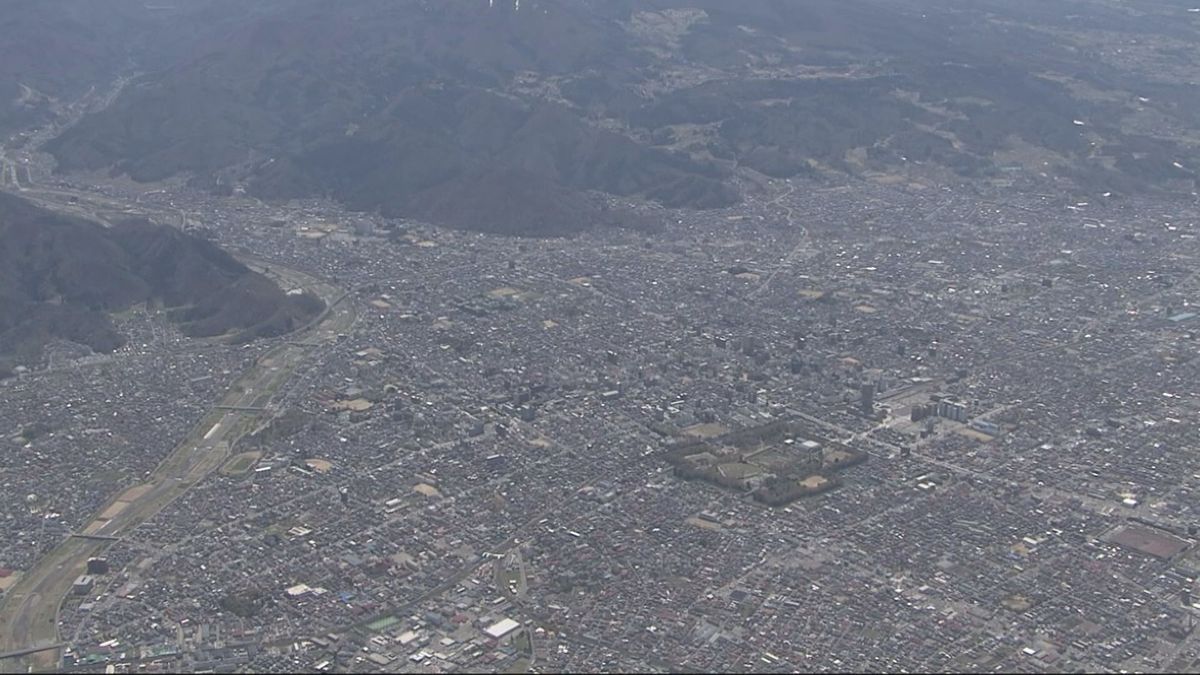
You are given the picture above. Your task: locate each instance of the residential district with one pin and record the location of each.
(835, 428)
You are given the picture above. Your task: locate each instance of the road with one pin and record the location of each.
(29, 612)
(802, 245)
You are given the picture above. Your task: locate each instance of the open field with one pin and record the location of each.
(705, 430)
(239, 464)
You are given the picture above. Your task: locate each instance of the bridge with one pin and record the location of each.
(16, 654)
(95, 537)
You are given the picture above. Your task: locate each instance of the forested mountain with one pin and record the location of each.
(505, 116)
(62, 277)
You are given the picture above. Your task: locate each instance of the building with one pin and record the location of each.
(501, 628)
(920, 412)
(989, 428)
(953, 410)
(83, 585)
(867, 400)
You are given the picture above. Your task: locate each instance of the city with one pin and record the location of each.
(643, 337)
(475, 474)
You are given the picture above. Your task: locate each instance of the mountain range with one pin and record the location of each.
(518, 117)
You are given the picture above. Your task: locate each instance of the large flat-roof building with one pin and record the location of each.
(501, 628)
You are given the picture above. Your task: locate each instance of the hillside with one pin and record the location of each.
(52, 52)
(62, 277)
(392, 105)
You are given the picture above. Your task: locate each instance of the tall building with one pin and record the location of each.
(921, 411)
(952, 410)
(867, 400)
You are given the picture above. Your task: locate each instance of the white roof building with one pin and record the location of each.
(501, 628)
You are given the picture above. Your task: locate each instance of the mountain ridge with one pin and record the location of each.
(384, 105)
(61, 277)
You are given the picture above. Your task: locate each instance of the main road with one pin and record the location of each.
(29, 637)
